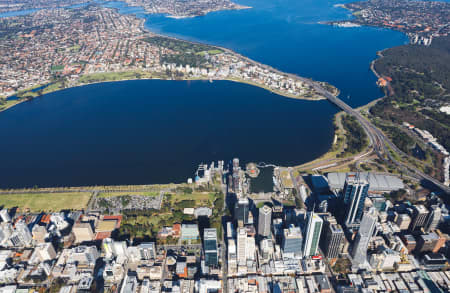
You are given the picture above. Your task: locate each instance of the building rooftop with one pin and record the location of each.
(210, 233)
(376, 182)
(429, 237)
(292, 232)
(336, 228)
(265, 210)
(409, 238)
(421, 209)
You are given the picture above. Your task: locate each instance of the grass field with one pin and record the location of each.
(115, 76)
(8, 104)
(123, 193)
(37, 202)
(210, 52)
(201, 198)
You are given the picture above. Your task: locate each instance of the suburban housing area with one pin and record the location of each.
(54, 49)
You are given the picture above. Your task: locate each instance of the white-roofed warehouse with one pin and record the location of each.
(377, 182)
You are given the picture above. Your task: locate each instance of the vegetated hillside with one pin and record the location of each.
(421, 83)
(356, 137)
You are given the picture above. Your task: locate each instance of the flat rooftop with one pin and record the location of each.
(377, 182)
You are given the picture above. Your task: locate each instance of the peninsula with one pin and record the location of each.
(172, 8)
(18, 5)
(183, 9)
(415, 80)
(61, 48)
(420, 20)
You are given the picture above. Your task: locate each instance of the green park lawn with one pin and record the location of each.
(123, 193)
(37, 202)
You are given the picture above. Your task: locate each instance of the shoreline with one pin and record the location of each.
(226, 79)
(330, 155)
(314, 97)
(239, 7)
(285, 95)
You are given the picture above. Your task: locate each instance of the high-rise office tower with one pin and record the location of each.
(365, 233)
(379, 202)
(241, 246)
(5, 232)
(4, 215)
(236, 179)
(354, 193)
(313, 230)
(292, 241)
(264, 221)
(210, 247)
(419, 217)
(403, 222)
(241, 211)
(332, 240)
(23, 233)
(433, 219)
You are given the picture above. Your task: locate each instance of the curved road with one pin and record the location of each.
(378, 139)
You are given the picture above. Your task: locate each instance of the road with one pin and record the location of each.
(223, 245)
(92, 202)
(378, 139)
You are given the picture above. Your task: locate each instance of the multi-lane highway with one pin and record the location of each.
(378, 139)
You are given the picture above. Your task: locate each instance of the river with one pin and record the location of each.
(137, 132)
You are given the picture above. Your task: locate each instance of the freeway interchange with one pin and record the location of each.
(378, 140)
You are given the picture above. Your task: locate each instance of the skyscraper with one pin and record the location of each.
(22, 235)
(4, 215)
(210, 247)
(379, 202)
(433, 219)
(313, 230)
(292, 240)
(242, 246)
(420, 214)
(332, 240)
(236, 179)
(119, 248)
(365, 233)
(403, 221)
(354, 193)
(264, 221)
(241, 211)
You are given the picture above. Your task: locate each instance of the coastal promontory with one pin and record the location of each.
(54, 49)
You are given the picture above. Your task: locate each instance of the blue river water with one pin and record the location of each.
(17, 13)
(153, 131)
(139, 132)
(287, 35)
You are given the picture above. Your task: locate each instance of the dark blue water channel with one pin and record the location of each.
(287, 35)
(137, 132)
(154, 132)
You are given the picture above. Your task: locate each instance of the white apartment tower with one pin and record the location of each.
(242, 246)
(313, 230)
(264, 221)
